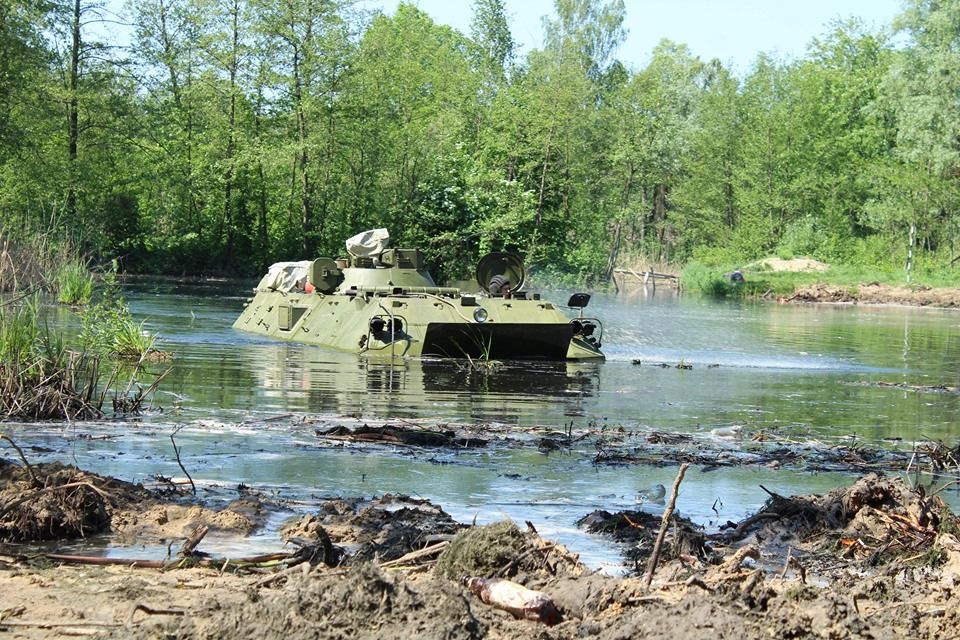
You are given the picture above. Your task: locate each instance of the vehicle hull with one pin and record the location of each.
(413, 324)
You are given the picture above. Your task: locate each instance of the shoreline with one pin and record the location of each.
(873, 559)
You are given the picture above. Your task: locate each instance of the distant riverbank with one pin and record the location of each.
(807, 280)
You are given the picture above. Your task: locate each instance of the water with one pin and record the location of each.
(248, 408)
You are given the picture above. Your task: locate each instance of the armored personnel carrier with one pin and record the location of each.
(382, 300)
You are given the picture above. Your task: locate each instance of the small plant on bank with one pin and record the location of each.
(74, 283)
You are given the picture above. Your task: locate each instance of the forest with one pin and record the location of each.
(219, 136)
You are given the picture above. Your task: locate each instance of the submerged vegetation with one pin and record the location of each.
(294, 127)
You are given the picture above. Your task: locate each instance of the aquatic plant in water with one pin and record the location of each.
(74, 283)
(109, 327)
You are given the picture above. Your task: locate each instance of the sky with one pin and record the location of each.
(734, 31)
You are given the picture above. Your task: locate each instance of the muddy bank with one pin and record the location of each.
(876, 559)
(875, 293)
(614, 445)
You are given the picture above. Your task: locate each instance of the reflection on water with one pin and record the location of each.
(248, 403)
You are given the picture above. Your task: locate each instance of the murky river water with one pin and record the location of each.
(249, 407)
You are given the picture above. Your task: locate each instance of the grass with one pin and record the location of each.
(108, 326)
(74, 283)
(39, 378)
(131, 341)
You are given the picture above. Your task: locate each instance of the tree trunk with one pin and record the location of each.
(228, 214)
(73, 116)
(303, 157)
(910, 245)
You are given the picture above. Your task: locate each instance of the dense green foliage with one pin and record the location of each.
(228, 135)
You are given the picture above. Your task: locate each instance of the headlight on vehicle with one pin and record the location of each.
(480, 314)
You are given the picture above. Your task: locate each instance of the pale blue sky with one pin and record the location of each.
(734, 31)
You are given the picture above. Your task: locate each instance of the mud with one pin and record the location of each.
(639, 529)
(390, 434)
(380, 529)
(875, 293)
(876, 559)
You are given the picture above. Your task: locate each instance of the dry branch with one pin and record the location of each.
(664, 523)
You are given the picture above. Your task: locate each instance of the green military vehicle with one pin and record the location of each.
(383, 301)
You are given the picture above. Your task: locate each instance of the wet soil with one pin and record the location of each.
(876, 559)
(614, 445)
(875, 293)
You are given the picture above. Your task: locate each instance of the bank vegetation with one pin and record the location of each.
(219, 137)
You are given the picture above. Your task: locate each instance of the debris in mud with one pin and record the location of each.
(382, 529)
(826, 589)
(876, 519)
(687, 541)
(389, 434)
(515, 599)
(919, 388)
(820, 292)
(761, 449)
(55, 501)
(364, 602)
(876, 293)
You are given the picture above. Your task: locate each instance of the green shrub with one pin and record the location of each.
(706, 280)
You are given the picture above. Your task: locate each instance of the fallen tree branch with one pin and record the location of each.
(426, 552)
(152, 611)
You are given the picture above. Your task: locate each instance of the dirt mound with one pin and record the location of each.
(56, 501)
(501, 550)
(919, 296)
(820, 292)
(172, 520)
(794, 265)
(875, 293)
(363, 603)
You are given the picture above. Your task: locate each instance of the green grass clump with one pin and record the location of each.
(74, 283)
(19, 332)
(108, 326)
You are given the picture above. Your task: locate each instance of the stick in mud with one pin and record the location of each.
(664, 523)
(176, 450)
(33, 476)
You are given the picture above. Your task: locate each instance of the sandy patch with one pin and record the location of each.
(794, 265)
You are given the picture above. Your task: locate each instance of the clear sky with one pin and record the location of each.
(734, 31)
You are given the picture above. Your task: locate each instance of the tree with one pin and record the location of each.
(921, 93)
